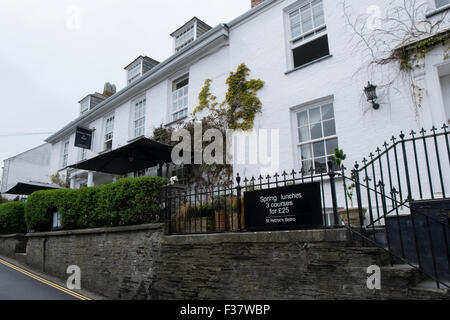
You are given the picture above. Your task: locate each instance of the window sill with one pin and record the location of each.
(308, 64)
(437, 11)
(105, 151)
(136, 138)
(176, 121)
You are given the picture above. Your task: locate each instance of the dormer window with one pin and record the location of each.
(138, 67)
(84, 106)
(134, 72)
(183, 39)
(90, 102)
(188, 33)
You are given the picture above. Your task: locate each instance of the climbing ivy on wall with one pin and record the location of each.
(241, 103)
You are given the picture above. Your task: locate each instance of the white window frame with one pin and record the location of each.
(65, 153)
(134, 72)
(185, 37)
(298, 40)
(56, 221)
(303, 38)
(180, 99)
(139, 109)
(310, 141)
(108, 132)
(84, 106)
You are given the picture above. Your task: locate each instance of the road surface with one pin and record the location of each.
(19, 284)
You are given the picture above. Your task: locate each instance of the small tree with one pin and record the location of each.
(338, 157)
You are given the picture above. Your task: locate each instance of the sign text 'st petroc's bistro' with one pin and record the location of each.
(291, 207)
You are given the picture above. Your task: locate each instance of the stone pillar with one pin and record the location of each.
(90, 180)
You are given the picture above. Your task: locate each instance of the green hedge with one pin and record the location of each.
(12, 219)
(126, 202)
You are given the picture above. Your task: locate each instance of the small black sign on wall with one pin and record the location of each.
(291, 207)
(83, 138)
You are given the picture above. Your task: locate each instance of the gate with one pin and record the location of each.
(401, 194)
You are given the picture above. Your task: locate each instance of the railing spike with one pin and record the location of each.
(402, 135)
(434, 129)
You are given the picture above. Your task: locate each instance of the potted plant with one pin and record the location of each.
(351, 213)
(198, 218)
(226, 214)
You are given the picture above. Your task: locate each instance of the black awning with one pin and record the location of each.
(27, 188)
(138, 155)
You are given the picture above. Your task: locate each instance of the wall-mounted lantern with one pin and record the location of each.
(371, 93)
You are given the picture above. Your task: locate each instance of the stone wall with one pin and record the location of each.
(140, 262)
(115, 262)
(8, 244)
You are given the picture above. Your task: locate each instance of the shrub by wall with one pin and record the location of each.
(12, 219)
(126, 202)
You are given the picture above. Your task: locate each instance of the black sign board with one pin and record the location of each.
(291, 207)
(83, 138)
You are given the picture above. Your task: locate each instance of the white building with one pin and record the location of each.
(31, 165)
(304, 51)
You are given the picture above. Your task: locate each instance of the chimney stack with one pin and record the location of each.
(256, 2)
(109, 89)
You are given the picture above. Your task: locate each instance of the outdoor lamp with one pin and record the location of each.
(371, 93)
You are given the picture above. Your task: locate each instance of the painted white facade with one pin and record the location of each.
(260, 39)
(32, 165)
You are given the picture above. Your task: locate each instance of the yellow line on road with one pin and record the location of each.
(49, 283)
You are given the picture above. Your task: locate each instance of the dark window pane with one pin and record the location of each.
(316, 131)
(306, 167)
(303, 134)
(319, 149)
(329, 128)
(302, 118)
(311, 51)
(331, 145)
(306, 151)
(320, 165)
(314, 115)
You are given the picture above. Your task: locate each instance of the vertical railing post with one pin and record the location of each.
(168, 210)
(332, 176)
(358, 197)
(405, 161)
(239, 205)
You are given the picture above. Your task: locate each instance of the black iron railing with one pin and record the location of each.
(401, 196)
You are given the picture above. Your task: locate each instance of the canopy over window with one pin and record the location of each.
(27, 188)
(141, 154)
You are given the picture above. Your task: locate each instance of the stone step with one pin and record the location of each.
(401, 275)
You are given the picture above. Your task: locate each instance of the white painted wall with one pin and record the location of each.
(261, 42)
(31, 165)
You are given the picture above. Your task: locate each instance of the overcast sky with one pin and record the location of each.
(55, 52)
